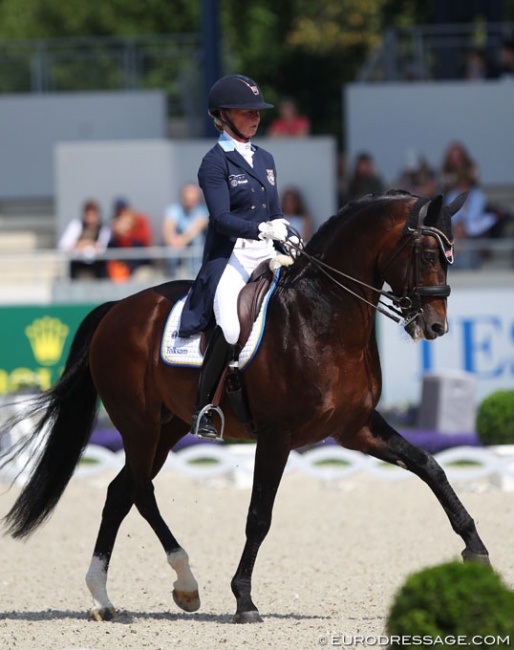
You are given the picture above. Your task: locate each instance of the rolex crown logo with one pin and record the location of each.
(47, 337)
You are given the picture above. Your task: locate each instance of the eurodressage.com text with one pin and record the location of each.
(381, 640)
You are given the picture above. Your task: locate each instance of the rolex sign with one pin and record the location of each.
(34, 344)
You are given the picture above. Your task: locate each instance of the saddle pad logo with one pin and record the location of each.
(270, 175)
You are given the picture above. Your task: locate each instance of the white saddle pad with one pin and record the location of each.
(178, 351)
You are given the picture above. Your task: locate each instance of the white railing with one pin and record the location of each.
(50, 265)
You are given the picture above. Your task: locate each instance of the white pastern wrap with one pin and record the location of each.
(179, 562)
(96, 580)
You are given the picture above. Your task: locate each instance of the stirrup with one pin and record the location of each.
(198, 419)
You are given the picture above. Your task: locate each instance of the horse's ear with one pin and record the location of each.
(434, 211)
(457, 203)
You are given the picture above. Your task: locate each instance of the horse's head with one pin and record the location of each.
(417, 265)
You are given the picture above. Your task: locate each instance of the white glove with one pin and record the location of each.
(276, 229)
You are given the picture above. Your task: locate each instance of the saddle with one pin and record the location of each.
(249, 304)
(250, 299)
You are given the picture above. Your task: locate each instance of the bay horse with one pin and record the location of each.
(316, 374)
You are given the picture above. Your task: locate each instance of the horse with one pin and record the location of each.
(315, 375)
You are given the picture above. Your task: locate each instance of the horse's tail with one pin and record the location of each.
(68, 412)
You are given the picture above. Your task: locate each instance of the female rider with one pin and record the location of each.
(238, 180)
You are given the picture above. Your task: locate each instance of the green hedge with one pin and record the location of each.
(451, 600)
(495, 418)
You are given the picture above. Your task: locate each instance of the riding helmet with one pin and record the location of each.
(236, 91)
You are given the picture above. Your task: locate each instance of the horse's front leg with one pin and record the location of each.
(382, 441)
(270, 460)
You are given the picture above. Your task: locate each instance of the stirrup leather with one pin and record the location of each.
(198, 418)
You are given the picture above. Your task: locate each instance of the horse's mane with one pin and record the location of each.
(326, 230)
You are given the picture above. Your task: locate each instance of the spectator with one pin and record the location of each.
(506, 70)
(457, 164)
(417, 176)
(184, 225)
(478, 67)
(289, 123)
(130, 229)
(295, 211)
(473, 220)
(365, 179)
(84, 238)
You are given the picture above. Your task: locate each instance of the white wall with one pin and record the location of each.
(387, 119)
(31, 125)
(149, 173)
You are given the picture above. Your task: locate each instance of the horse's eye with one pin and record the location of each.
(430, 257)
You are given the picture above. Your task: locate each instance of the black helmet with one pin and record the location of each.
(236, 91)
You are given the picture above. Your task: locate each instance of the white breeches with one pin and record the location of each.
(246, 256)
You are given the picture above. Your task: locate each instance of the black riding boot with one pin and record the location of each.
(217, 356)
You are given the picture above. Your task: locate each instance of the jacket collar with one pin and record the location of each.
(228, 145)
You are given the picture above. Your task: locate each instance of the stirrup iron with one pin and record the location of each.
(199, 416)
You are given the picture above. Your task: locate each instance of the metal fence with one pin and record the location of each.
(168, 62)
(433, 52)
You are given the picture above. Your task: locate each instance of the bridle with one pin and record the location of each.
(406, 308)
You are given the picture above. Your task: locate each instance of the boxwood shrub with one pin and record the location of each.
(455, 599)
(495, 418)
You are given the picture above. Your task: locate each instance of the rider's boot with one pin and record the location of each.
(216, 358)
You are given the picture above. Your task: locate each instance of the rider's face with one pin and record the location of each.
(245, 121)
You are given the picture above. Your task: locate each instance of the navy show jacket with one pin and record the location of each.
(239, 197)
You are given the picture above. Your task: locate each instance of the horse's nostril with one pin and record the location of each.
(438, 329)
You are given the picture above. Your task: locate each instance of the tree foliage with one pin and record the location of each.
(26, 19)
(300, 48)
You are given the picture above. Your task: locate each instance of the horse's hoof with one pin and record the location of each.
(247, 617)
(481, 558)
(189, 601)
(103, 614)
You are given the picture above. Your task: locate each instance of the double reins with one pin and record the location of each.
(404, 309)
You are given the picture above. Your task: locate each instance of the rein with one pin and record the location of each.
(410, 300)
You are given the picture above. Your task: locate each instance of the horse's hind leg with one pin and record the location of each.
(117, 505)
(123, 492)
(185, 587)
(383, 442)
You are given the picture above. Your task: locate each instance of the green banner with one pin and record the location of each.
(35, 344)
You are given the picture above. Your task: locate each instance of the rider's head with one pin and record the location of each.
(234, 95)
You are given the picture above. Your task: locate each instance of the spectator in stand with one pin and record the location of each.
(473, 220)
(478, 66)
(289, 123)
(130, 229)
(83, 239)
(417, 176)
(457, 164)
(506, 70)
(365, 178)
(184, 226)
(295, 211)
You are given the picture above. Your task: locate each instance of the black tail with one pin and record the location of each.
(68, 415)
